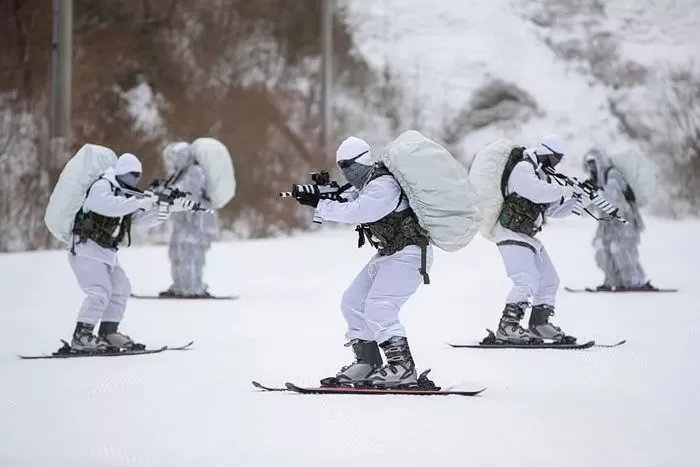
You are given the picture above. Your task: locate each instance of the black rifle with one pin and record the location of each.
(166, 195)
(321, 186)
(588, 189)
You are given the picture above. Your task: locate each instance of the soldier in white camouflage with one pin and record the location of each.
(193, 232)
(617, 244)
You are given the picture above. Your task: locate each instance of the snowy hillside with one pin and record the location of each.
(571, 58)
(636, 405)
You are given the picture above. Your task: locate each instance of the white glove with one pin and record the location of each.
(182, 204)
(146, 203)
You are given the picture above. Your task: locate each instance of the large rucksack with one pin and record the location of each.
(486, 175)
(67, 197)
(215, 159)
(639, 173)
(437, 187)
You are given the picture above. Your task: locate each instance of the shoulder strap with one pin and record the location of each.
(87, 192)
(516, 156)
(606, 173)
(379, 170)
(628, 192)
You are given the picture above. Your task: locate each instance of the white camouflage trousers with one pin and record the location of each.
(533, 275)
(187, 267)
(619, 261)
(107, 289)
(372, 303)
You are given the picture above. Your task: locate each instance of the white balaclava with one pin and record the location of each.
(596, 162)
(354, 158)
(128, 170)
(549, 151)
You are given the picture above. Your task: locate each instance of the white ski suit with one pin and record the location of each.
(372, 302)
(526, 260)
(97, 268)
(193, 232)
(616, 244)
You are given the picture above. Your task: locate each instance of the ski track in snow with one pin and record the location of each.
(632, 405)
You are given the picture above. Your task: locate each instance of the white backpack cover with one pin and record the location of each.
(215, 159)
(485, 176)
(437, 187)
(67, 197)
(639, 172)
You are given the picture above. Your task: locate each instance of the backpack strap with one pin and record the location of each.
(423, 264)
(516, 156)
(87, 192)
(605, 174)
(628, 192)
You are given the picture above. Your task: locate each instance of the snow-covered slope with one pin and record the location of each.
(555, 50)
(633, 405)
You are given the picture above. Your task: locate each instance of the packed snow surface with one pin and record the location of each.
(633, 405)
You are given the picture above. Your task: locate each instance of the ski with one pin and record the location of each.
(379, 391)
(490, 342)
(211, 297)
(66, 352)
(291, 387)
(594, 290)
(422, 387)
(585, 345)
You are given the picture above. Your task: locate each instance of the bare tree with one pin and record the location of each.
(677, 135)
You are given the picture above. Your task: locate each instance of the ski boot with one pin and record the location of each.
(117, 340)
(85, 341)
(170, 293)
(400, 370)
(509, 329)
(367, 359)
(540, 326)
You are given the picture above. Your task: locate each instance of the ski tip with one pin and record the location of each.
(617, 344)
(179, 347)
(260, 386)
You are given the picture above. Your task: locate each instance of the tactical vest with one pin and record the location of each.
(396, 230)
(100, 229)
(518, 213)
